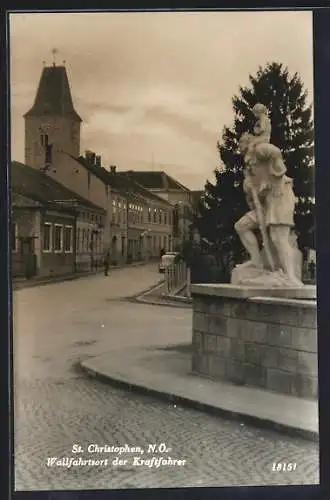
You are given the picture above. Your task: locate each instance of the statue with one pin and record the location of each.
(262, 130)
(270, 196)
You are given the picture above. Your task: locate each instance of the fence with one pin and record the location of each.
(177, 278)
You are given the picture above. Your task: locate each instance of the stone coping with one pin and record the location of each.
(299, 294)
(307, 304)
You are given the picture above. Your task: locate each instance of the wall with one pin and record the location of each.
(183, 198)
(27, 224)
(87, 221)
(74, 176)
(63, 133)
(177, 196)
(266, 343)
(158, 234)
(57, 263)
(173, 196)
(117, 225)
(133, 240)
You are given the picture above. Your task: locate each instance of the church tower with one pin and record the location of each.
(52, 126)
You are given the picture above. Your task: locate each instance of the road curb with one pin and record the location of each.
(180, 298)
(32, 284)
(148, 290)
(163, 303)
(171, 397)
(20, 285)
(142, 298)
(167, 301)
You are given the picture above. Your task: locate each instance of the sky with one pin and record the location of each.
(154, 89)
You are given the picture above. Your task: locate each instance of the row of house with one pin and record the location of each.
(68, 209)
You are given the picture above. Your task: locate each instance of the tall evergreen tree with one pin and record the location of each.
(224, 202)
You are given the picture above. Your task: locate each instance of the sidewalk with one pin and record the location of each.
(19, 283)
(165, 372)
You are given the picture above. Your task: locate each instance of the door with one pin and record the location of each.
(28, 256)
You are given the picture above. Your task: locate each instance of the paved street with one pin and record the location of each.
(56, 407)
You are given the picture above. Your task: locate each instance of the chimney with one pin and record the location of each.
(98, 161)
(89, 156)
(113, 169)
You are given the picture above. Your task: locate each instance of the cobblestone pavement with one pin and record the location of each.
(57, 407)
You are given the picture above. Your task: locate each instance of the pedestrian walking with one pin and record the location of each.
(106, 263)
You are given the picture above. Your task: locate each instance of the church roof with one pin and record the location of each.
(53, 95)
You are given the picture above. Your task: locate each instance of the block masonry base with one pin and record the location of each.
(258, 341)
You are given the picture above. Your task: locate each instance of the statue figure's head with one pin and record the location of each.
(259, 109)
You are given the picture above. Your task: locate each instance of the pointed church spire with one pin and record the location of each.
(53, 95)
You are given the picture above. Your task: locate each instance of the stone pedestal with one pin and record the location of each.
(257, 337)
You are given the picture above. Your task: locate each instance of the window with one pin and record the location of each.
(49, 154)
(47, 237)
(68, 239)
(14, 237)
(78, 239)
(165, 218)
(44, 140)
(83, 239)
(114, 211)
(155, 214)
(58, 238)
(149, 214)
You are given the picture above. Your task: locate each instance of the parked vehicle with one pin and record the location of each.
(167, 260)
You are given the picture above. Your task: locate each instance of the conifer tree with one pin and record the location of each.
(224, 202)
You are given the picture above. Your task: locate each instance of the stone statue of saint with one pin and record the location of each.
(270, 196)
(262, 130)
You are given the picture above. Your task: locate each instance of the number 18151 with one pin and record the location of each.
(284, 466)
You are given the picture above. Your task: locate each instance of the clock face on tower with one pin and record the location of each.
(44, 127)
